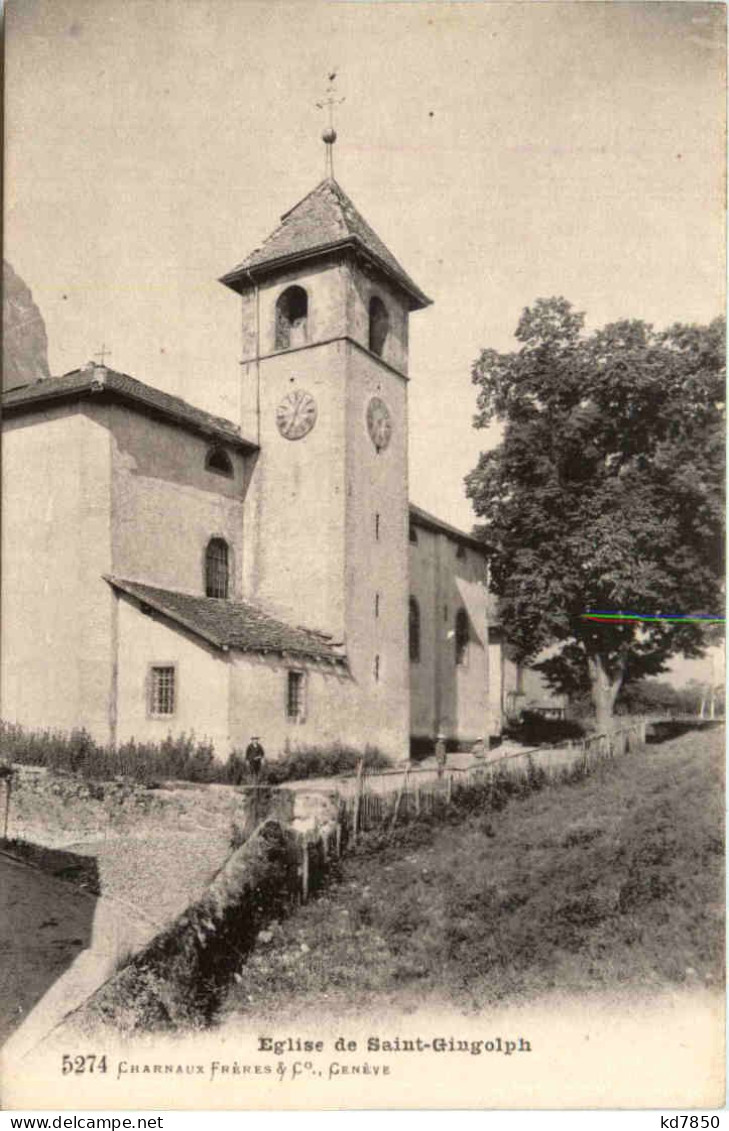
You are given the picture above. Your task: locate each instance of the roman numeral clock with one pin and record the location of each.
(296, 415)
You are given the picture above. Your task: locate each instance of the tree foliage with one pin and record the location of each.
(606, 492)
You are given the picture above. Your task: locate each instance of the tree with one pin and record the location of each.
(605, 494)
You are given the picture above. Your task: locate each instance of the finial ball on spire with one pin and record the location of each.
(329, 135)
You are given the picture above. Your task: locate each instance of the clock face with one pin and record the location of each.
(379, 423)
(296, 415)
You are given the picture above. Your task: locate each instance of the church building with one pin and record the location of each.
(167, 571)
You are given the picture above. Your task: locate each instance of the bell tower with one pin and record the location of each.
(324, 377)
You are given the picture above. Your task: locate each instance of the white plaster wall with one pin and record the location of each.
(166, 505)
(311, 553)
(362, 287)
(226, 697)
(376, 561)
(339, 294)
(294, 516)
(258, 706)
(454, 698)
(425, 588)
(202, 682)
(496, 682)
(472, 678)
(326, 284)
(56, 608)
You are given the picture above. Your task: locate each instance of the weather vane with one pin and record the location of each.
(329, 135)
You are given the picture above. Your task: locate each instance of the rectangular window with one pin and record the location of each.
(295, 696)
(377, 527)
(162, 690)
(461, 551)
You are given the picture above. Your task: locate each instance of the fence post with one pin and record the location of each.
(449, 793)
(403, 786)
(304, 870)
(357, 800)
(417, 800)
(8, 787)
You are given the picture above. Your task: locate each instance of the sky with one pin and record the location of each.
(504, 152)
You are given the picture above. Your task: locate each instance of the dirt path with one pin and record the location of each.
(159, 874)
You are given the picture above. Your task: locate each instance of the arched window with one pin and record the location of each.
(414, 631)
(462, 636)
(216, 568)
(379, 325)
(218, 460)
(292, 309)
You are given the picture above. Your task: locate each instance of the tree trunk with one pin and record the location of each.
(605, 682)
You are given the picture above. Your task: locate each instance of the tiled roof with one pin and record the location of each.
(324, 219)
(419, 517)
(232, 624)
(97, 380)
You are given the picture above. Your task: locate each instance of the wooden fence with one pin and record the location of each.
(372, 800)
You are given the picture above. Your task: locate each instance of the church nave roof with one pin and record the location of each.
(96, 380)
(232, 624)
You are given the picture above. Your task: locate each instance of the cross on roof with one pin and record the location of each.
(102, 353)
(329, 136)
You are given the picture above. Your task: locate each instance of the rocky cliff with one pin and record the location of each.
(25, 344)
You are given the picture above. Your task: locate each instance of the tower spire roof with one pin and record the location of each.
(325, 220)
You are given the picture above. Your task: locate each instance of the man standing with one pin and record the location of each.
(254, 757)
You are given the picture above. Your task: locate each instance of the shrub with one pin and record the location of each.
(536, 775)
(185, 758)
(321, 762)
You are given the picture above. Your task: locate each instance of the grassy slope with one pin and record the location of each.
(614, 883)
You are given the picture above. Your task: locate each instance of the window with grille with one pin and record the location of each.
(162, 690)
(462, 636)
(414, 631)
(216, 568)
(295, 696)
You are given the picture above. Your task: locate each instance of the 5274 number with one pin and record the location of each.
(81, 1064)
